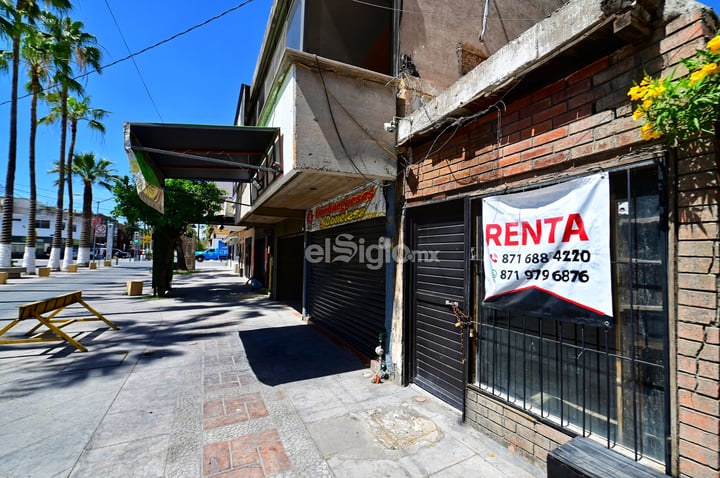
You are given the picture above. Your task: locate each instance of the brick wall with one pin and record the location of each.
(576, 122)
(553, 127)
(698, 326)
(520, 432)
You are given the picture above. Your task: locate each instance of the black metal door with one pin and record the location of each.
(437, 364)
(347, 283)
(290, 268)
(247, 250)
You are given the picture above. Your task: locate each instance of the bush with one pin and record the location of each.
(679, 108)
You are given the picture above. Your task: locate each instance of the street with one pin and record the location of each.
(93, 283)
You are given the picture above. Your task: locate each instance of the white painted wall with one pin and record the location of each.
(20, 220)
(360, 107)
(283, 117)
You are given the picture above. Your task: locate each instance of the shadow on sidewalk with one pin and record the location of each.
(300, 352)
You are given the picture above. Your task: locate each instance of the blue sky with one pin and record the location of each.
(194, 79)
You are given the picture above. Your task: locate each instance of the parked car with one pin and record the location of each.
(213, 253)
(120, 254)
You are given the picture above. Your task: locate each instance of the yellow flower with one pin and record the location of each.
(647, 104)
(636, 92)
(656, 91)
(697, 76)
(647, 132)
(637, 114)
(711, 68)
(646, 81)
(714, 45)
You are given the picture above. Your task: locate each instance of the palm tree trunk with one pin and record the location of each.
(84, 249)
(69, 241)
(9, 203)
(54, 261)
(30, 241)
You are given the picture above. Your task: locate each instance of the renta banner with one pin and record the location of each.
(362, 203)
(546, 252)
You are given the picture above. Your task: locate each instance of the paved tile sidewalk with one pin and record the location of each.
(218, 383)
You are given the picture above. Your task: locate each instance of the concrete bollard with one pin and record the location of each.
(43, 272)
(134, 287)
(3, 277)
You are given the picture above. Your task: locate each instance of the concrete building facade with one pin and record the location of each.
(387, 125)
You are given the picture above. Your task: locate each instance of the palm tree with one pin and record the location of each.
(91, 172)
(12, 19)
(35, 52)
(72, 45)
(77, 110)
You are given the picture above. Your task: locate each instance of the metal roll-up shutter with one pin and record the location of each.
(348, 299)
(437, 353)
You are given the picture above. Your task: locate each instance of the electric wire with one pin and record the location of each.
(457, 124)
(354, 120)
(127, 47)
(418, 12)
(485, 18)
(332, 117)
(147, 48)
(466, 119)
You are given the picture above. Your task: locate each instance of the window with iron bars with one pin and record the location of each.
(605, 383)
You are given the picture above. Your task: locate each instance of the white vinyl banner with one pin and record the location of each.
(547, 251)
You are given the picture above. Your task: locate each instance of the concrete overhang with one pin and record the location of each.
(311, 181)
(292, 194)
(570, 25)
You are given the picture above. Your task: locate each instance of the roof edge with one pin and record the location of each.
(540, 43)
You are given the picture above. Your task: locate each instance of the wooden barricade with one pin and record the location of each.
(54, 305)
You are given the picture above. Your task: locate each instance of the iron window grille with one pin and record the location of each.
(610, 384)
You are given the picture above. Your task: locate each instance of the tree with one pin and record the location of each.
(91, 172)
(186, 202)
(72, 47)
(35, 52)
(77, 110)
(12, 21)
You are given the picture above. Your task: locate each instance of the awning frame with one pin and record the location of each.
(158, 151)
(207, 159)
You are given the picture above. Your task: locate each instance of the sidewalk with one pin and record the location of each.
(218, 382)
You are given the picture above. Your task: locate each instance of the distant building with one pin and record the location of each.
(44, 227)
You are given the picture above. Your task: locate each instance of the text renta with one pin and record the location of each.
(541, 231)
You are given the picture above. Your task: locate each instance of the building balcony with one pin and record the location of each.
(331, 118)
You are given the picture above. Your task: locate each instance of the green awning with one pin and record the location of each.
(159, 151)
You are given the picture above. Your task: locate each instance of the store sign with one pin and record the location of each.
(547, 251)
(362, 203)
